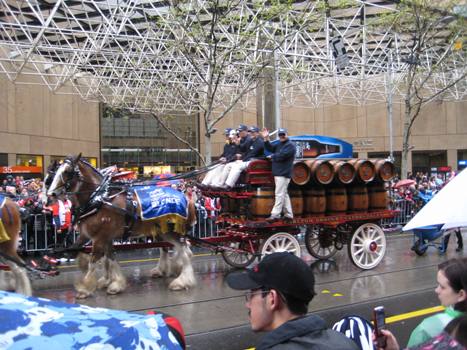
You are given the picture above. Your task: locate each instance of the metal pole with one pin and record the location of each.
(277, 94)
(389, 106)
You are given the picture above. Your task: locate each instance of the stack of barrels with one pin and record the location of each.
(331, 187)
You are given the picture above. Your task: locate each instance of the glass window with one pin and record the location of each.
(3, 159)
(29, 160)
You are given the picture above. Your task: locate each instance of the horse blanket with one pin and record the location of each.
(162, 205)
(37, 323)
(3, 234)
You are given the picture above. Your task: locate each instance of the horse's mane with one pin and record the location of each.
(89, 165)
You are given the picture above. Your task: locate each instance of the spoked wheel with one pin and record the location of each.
(280, 242)
(241, 258)
(318, 243)
(367, 246)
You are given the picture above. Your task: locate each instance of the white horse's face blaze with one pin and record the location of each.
(58, 182)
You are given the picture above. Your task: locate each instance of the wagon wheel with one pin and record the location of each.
(280, 242)
(318, 243)
(239, 259)
(367, 246)
(419, 247)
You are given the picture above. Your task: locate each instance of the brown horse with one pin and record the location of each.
(10, 228)
(104, 216)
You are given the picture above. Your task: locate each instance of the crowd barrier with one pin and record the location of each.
(406, 211)
(39, 234)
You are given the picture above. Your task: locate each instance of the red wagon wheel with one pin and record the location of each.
(243, 257)
(319, 243)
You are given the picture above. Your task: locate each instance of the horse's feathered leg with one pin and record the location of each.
(162, 268)
(88, 284)
(186, 279)
(118, 280)
(105, 280)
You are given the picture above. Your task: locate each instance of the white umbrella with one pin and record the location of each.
(448, 207)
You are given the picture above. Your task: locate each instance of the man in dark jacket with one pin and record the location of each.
(251, 146)
(230, 150)
(282, 157)
(280, 289)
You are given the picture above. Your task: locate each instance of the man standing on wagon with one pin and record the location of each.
(282, 157)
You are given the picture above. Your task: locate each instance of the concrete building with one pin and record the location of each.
(37, 126)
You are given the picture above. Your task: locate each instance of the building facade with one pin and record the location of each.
(37, 126)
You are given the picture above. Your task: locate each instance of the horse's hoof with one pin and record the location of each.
(156, 273)
(103, 283)
(114, 288)
(82, 295)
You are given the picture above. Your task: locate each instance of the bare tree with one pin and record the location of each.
(228, 45)
(434, 58)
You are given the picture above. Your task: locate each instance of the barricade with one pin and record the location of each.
(38, 234)
(406, 211)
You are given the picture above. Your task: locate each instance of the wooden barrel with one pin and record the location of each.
(365, 170)
(262, 202)
(377, 197)
(314, 199)
(385, 169)
(357, 197)
(322, 172)
(296, 199)
(344, 172)
(300, 173)
(336, 200)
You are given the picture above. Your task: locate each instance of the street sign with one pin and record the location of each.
(339, 53)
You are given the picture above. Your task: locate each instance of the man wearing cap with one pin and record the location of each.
(228, 155)
(280, 288)
(251, 146)
(282, 158)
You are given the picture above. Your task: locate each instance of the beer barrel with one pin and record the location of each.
(336, 200)
(385, 169)
(365, 170)
(314, 199)
(262, 202)
(377, 197)
(300, 173)
(357, 198)
(344, 172)
(296, 199)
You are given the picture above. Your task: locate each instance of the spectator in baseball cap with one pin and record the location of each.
(279, 290)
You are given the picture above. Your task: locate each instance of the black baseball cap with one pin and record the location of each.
(253, 129)
(227, 131)
(242, 127)
(283, 271)
(282, 131)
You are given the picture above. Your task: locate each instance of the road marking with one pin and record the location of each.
(132, 261)
(413, 314)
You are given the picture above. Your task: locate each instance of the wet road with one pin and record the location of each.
(212, 313)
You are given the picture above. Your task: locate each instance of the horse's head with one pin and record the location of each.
(64, 177)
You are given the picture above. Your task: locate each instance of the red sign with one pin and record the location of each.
(17, 169)
(444, 169)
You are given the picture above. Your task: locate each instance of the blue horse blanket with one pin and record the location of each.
(37, 323)
(157, 202)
